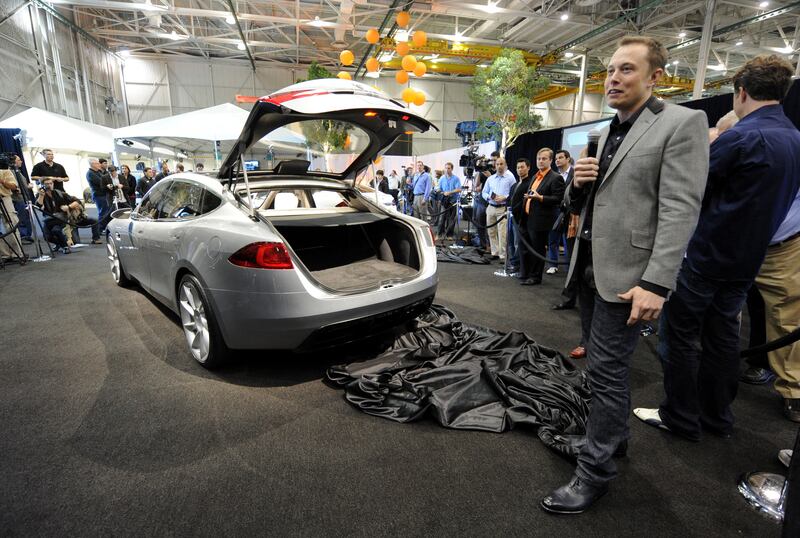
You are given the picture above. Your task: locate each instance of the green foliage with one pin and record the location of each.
(325, 135)
(503, 92)
(316, 71)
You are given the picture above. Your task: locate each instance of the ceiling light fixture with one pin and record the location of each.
(682, 35)
(763, 4)
(564, 16)
(124, 53)
(240, 46)
(316, 22)
(230, 20)
(401, 35)
(491, 7)
(174, 36)
(675, 62)
(373, 74)
(569, 54)
(739, 43)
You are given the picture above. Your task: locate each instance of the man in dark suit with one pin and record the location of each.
(639, 199)
(564, 169)
(536, 204)
(753, 179)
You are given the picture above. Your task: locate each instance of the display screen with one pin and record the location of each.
(251, 165)
(574, 139)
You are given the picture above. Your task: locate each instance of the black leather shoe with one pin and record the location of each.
(529, 282)
(573, 498)
(791, 408)
(757, 376)
(566, 305)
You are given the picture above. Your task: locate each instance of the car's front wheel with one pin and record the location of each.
(117, 272)
(199, 324)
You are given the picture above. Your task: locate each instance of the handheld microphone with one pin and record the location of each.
(594, 138)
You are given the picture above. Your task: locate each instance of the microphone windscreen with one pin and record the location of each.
(594, 136)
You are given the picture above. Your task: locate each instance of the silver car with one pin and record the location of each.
(287, 255)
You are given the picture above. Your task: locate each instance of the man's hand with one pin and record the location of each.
(65, 208)
(586, 170)
(645, 305)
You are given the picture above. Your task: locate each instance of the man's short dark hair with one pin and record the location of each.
(524, 160)
(102, 160)
(451, 165)
(764, 78)
(112, 168)
(565, 152)
(146, 168)
(494, 154)
(656, 52)
(379, 173)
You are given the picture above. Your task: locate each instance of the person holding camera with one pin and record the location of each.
(146, 182)
(127, 182)
(19, 197)
(57, 206)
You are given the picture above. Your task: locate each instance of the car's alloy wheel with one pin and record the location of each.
(199, 325)
(116, 266)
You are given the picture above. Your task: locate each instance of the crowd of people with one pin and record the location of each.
(58, 214)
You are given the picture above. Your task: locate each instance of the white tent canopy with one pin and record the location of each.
(53, 131)
(221, 122)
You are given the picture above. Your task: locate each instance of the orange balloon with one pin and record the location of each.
(402, 48)
(373, 65)
(408, 95)
(401, 77)
(346, 57)
(344, 75)
(418, 98)
(373, 36)
(409, 62)
(403, 18)
(419, 38)
(419, 69)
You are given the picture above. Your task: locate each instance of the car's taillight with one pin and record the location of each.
(262, 256)
(433, 236)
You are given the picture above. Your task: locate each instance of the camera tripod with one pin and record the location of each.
(10, 232)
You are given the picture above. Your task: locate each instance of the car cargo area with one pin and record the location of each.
(352, 251)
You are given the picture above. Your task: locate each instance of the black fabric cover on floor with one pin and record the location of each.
(470, 255)
(470, 377)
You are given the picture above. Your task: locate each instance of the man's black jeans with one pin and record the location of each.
(611, 344)
(699, 350)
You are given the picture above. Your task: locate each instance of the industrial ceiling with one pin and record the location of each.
(462, 36)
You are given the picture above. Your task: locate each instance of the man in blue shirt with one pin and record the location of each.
(421, 187)
(450, 185)
(495, 192)
(753, 179)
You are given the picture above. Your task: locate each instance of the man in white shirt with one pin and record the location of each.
(495, 192)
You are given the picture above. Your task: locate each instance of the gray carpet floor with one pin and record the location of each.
(110, 428)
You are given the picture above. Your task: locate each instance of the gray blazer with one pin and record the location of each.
(646, 208)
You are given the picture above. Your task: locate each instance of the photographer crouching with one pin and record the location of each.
(62, 210)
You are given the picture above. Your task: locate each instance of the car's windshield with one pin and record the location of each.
(328, 145)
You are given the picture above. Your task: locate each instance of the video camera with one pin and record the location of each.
(471, 162)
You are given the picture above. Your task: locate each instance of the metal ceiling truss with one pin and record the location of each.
(294, 32)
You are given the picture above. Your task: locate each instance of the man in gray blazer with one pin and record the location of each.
(639, 199)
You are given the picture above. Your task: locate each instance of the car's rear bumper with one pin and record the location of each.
(298, 321)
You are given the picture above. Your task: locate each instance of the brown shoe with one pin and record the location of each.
(578, 353)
